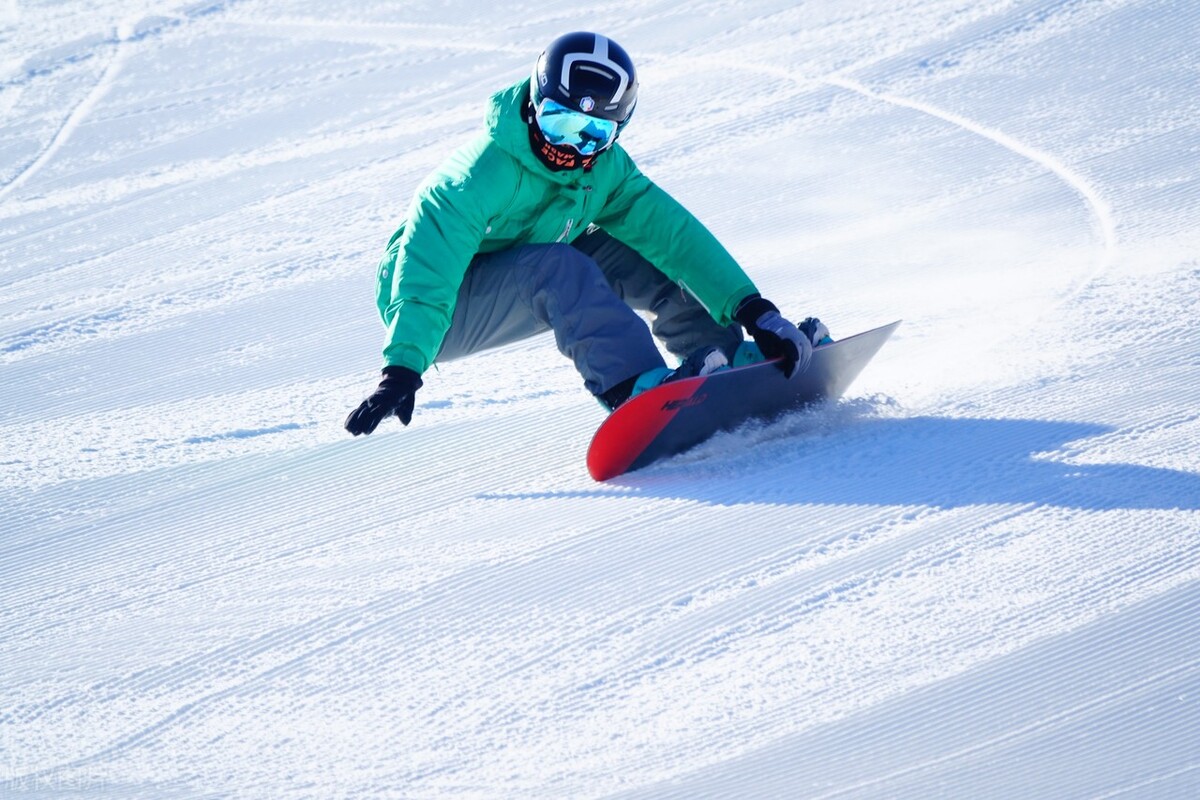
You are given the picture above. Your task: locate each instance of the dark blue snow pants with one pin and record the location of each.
(586, 293)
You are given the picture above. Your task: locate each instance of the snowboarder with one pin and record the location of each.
(544, 223)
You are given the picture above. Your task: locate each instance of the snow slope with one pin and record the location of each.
(977, 576)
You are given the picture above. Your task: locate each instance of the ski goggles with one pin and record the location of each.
(566, 126)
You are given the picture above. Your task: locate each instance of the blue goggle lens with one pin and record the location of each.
(566, 126)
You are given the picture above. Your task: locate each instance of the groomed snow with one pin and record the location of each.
(977, 576)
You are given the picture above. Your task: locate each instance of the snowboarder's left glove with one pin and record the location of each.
(396, 395)
(775, 336)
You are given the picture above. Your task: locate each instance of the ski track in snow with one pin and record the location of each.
(134, 29)
(72, 121)
(977, 576)
(1098, 207)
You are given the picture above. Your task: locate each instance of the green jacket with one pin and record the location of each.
(494, 194)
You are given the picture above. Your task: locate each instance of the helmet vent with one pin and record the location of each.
(587, 68)
(597, 62)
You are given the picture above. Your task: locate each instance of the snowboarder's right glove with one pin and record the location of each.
(774, 335)
(396, 395)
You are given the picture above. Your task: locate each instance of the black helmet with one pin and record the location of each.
(589, 72)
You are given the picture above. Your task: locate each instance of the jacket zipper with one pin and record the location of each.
(562, 237)
(587, 193)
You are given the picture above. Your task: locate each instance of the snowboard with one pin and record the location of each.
(674, 417)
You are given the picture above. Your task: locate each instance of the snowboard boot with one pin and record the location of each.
(631, 386)
(701, 362)
(815, 330)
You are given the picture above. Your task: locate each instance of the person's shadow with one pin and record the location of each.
(928, 461)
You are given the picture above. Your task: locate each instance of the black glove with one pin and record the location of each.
(774, 335)
(396, 395)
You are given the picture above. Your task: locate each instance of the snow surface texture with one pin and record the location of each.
(977, 576)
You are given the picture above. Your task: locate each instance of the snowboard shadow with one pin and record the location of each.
(929, 461)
